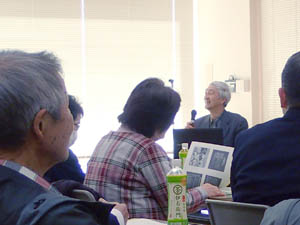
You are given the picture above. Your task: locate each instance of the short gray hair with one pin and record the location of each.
(29, 82)
(224, 91)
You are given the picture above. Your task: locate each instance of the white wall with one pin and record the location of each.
(127, 41)
(224, 46)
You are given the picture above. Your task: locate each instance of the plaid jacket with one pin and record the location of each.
(131, 168)
(29, 173)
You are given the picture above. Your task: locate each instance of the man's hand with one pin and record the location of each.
(189, 125)
(121, 207)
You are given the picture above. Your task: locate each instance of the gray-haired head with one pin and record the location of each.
(224, 91)
(29, 82)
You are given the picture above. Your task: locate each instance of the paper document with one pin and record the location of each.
(208, 163)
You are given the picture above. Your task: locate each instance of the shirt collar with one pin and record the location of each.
(215, 120)
(29, 174)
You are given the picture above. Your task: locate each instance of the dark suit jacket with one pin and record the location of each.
(231, 123)
(266, 161)
(24, 202)
(67, 170)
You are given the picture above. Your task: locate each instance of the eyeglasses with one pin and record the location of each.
(76, 126)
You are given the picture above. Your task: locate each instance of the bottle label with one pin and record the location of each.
(182, 156)
(177, 223)
(177, 203)
(182, 162)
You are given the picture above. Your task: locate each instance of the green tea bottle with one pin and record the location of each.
(183, 153)
(176, 182)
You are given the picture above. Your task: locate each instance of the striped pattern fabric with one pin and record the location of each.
(28, 173)
(130, 168)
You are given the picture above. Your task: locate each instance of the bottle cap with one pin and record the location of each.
(185, 145)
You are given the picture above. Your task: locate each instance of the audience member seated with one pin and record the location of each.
(35, 129)
(266, 157)
(69, 169)
(217, 96)
(128, 166)
(283, 213)
(69, 188)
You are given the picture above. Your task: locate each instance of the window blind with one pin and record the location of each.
(280, 37)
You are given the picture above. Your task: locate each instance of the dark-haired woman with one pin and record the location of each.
(127, 165)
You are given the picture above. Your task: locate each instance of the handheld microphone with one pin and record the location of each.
(193, 115)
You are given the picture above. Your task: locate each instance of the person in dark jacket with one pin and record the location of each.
(266, 157)
(35, 128)
(69, 169)
(217, 96)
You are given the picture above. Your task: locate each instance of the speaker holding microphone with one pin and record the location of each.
(193, 116)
